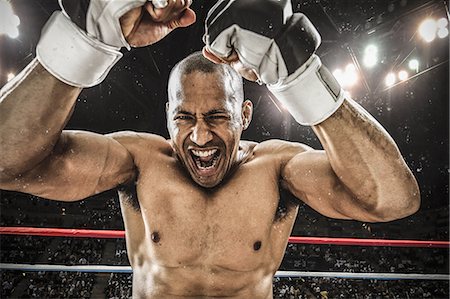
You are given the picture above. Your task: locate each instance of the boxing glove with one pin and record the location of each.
(80, 44)
(279, 46)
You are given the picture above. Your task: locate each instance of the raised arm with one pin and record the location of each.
(34, 108)
(36, 155)
(361, 174)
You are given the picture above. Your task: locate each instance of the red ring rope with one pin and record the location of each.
(111, 234)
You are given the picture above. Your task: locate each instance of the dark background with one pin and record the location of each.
(414, 112)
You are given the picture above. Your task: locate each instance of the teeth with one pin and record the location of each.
(205, 168)
(204, 153)
(200, 166)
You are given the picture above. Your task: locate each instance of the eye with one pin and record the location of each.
(218, 117)
(183, 117)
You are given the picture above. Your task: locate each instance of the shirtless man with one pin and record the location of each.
(204, 220)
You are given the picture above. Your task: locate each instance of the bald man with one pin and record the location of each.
(202, 210)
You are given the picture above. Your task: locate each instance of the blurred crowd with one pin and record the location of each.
(365, 259)
(105, 214)
(324, 288)
(46, 284)
(77, 252)
(58, 285)
(300, 257)
(119, 286)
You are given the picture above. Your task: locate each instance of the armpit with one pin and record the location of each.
(286, 203)
(128, 194)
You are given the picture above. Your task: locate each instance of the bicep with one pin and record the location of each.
(310, 177)
(82, 164)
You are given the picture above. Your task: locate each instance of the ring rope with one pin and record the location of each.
(91, 233)
(127, 269)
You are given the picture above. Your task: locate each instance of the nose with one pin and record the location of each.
(201, 133)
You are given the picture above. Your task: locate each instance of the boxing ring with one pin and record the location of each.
(118, 234)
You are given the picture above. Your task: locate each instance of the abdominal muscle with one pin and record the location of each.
(179, 265)
(200, 281)
(167, 270)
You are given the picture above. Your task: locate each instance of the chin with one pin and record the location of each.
(207, 168)
(207, 184)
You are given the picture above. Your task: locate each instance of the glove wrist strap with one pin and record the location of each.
(311, 94)
(73, 57)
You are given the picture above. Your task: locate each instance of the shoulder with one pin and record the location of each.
(137, 137)
(280, 148)
(278, 151)
(138, 143)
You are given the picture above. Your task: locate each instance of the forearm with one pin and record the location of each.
(34, 109)
(367, 161)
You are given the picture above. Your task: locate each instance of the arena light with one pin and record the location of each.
(10, 21)
(403, 75)
(413, 64)
(351, 76)
(390, 79)
(339, 75)
(442, 32)
(370, 56)
(442, 23)
(10, 76)
(428, 30)
(348, 77)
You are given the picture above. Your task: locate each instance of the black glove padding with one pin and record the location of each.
(279, 47)
(266, 35)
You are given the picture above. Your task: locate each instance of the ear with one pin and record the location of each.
(167, 107)
(247, 113)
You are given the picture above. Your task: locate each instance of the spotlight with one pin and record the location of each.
(351, 76)
(371, 49)
(414, 65)
(390, 79)
(442, 23)
(350, 68)
(13, 32)
(10, 76)
(370, 56)
(427, 30)
(348, 77)
(403, 75)
(9, 20)
(442, 32)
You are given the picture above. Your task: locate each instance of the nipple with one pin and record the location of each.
(155, 237)
(257, 245)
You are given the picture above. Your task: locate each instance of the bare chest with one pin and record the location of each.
(234, 227)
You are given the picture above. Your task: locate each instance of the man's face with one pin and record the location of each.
(205, 126)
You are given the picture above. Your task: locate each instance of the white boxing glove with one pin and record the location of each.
(81, 44)
(279, 46)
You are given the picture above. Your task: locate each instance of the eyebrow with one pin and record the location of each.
(180, 111)
(215, 111)
(211, 112)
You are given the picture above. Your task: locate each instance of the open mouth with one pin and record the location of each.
(205, 160)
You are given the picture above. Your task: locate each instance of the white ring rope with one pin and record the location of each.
(127, 269)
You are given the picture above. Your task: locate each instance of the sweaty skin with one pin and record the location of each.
(214, 242)
(198, 226)
(185, 240)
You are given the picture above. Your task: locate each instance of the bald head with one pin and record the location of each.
(196, 62)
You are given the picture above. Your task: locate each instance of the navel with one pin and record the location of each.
(155, 237)
(257, 245)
